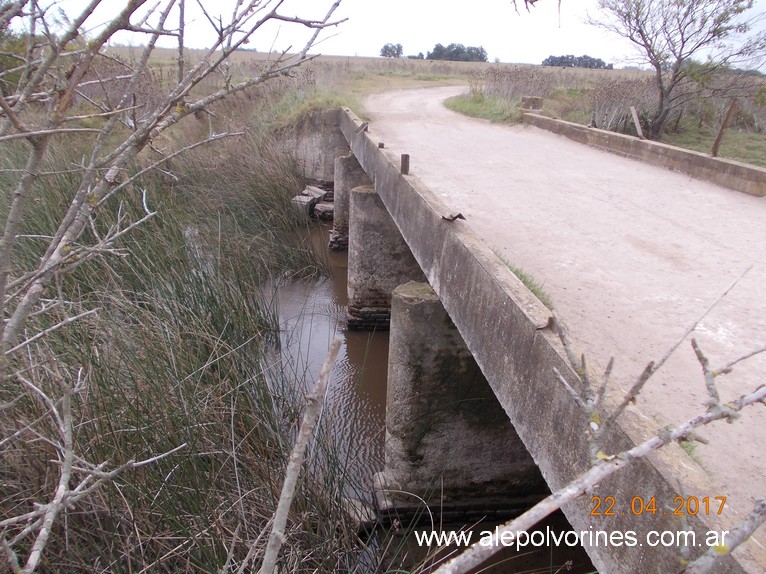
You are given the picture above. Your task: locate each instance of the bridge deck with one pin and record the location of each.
(629, 253)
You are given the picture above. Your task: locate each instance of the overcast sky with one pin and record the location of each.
(494, 24)
(418, 25)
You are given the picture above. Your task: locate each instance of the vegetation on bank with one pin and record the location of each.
(603, 98)
(181, 352)
(176, 349)
(147, 413)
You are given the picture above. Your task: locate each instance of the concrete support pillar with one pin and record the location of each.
(348, 175)
(447, 437)
(378, 261)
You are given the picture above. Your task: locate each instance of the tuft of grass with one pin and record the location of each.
(690, 448)
(490, 108)
(529, 282)
(739, 145)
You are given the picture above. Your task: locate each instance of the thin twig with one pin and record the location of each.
(653, 367)
(50, 330)
(313, 409)
(38, 133)
(705, 563)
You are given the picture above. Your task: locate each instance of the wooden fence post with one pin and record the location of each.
(724, 125)
(637, 122)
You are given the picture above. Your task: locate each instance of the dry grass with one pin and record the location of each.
(604, 98)
(182, 351)
(339, 78)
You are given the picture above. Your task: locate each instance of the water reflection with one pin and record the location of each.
(311, 314)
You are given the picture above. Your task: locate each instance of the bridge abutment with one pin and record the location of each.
(447, 437)
(378, 261)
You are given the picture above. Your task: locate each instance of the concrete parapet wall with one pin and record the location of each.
(724, 172)
(501, 323)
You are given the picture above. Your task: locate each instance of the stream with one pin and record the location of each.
(311, 314)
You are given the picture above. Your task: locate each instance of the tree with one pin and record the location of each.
(570, 61)
(670, 33)
(458, 53)
(392, 51)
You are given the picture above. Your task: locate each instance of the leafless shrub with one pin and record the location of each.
(611, 99)
(513, 82)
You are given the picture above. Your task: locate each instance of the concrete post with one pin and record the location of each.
(447, 437)
(378, 261)
(348, 175)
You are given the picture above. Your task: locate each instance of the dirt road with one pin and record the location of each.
(630, 254)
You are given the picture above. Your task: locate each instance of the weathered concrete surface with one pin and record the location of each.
(532, 103)
(378, 261)
(725, 172)
(314, 142)
(447, 437)
(499, 320)
(348, 175)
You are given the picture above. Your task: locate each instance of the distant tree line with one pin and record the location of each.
(458, 53)
(570, 61)
(392, 51)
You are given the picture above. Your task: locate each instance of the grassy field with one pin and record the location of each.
(576, 95)
(328, 80)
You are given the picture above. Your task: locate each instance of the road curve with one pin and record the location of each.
(631, 255)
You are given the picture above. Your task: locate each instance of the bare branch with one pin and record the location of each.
(310, 417)
(478, 553)
(28, 135)
(707, 562)
(54, 507)
(653, 367)
(50, 330)
(728, 367)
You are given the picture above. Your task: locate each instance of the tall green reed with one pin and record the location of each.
(175, 355)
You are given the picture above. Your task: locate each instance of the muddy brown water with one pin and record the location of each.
(312, 313)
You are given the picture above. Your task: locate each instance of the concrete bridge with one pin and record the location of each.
(474, 405)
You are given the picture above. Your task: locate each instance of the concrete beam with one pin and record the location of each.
(500, 322)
